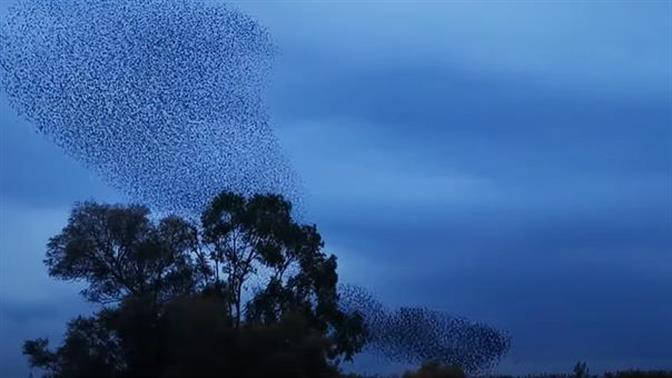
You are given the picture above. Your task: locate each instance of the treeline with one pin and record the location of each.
(438, 370)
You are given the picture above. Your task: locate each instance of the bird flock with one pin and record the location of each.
(417, 334)
(163, 98)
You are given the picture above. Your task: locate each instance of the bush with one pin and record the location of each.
(436, 370)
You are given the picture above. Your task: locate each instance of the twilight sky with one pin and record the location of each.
(510, 162)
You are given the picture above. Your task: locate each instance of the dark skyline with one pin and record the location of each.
(510, 162)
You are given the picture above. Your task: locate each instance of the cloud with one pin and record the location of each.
(615, 46)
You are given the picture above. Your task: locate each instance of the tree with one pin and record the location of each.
(248, 289)
(248, 236)
(120, 253)
(581, 370)
(436, 370)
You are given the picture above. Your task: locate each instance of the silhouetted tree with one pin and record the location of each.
(248, 293)
(436, 370)
(249, 236)
(89, 350)
(581, 370)
(120, 253)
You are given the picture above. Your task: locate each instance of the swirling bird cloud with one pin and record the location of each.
(163, 98)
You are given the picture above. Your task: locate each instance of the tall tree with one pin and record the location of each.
(183, 297)
(247, 236)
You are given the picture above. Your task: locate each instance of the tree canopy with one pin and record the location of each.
(247, 292)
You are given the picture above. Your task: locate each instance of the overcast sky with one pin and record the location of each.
(510, 162)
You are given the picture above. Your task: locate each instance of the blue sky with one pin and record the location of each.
(510, 162)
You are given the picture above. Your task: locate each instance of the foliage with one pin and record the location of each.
(120, 253)
(581, 370)
(436, 370)
(248, 292)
